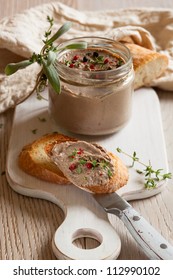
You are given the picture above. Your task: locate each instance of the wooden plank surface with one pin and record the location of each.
(27, 224)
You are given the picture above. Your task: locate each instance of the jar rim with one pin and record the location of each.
(95, 42)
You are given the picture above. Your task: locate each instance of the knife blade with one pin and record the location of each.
(153, 244)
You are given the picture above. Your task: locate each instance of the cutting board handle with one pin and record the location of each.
(83, 218)
(85, 223)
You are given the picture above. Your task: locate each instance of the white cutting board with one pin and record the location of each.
(83, 217)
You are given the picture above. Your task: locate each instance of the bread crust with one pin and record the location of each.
(117, 181)
(148, 65)
(34, 159)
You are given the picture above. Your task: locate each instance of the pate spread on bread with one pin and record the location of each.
(61, 159)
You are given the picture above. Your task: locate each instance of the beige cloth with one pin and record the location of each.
(23, 34)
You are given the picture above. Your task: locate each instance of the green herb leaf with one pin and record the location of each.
(14, 67)
(167, 176)
(80, 45)
(151, 176)
(34, 131)
(119, 150)
(42, 119)
(51, 57)
(109, 173)
(150, 183)
(94, 163)
(52, 76)
(64, 28)
(79, 170)
(82, 161)
(134, 158)
(46, 59)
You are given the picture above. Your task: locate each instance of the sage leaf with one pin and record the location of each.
(51, 57)
(14, 67)
(52, 76)
(64, 28)
(80, 45)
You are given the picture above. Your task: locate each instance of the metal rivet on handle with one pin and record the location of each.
(163, 246)
(136, 218)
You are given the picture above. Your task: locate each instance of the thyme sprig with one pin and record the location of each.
(46, 59)
(152, 176)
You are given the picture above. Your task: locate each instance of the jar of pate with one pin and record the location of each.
(96, 87)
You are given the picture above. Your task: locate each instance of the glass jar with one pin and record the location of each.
(93, 102)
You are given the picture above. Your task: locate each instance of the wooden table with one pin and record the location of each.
(26, 224)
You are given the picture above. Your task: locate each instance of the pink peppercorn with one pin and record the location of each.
(92, 66)
(75, 57)
(72, 166)
(106, 61)
(80, 151)
(89, 165)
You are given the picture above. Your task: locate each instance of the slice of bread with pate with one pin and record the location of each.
(61, 159)
(35, 160)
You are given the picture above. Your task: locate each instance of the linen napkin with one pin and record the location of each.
(23, 33)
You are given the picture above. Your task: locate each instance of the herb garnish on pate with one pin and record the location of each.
(80, 163)
(92, 60)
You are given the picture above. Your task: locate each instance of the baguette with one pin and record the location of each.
(46, 157)
(148, 65)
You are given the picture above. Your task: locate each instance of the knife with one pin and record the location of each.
(151, 241)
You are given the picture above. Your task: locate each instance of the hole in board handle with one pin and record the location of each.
(87, 238)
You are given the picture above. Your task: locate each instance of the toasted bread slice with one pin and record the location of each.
(148, 65)
(36, 159)
(89, 166)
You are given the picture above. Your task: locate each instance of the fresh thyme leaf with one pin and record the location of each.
(39, 97)
(82, 161)
(79, 169)
(167, 176)
(36, 58)
(34, 131)
(151, 176)
(67, 63)
(42, 119)
(49, 31)
(73, 154)
(109, 173)
(120, 62)
(100, 59)
(50, 20)
(150, 183)
(134, 158)
(94, 163)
